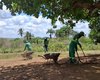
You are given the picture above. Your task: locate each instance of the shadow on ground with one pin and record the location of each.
(50, 71)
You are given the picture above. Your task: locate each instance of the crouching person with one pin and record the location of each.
(28, 50)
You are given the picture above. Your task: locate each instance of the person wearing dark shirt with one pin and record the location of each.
(46, 42)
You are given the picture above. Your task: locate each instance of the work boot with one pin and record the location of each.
(73, 61)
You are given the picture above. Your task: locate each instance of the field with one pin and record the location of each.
(14, 67)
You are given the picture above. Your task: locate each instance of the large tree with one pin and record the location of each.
(65, 31)
(57, 9)
(51, 32)
(95, 30)
(20, 32)
(28, 36)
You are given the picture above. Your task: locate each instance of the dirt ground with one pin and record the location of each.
(40, 69)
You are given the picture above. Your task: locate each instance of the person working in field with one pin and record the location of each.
(27, 46)
(28, 50)
(73, 46)
(46, 42)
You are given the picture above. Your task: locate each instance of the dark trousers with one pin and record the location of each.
(46, 48)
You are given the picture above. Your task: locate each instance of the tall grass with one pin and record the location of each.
(12, 48)
(55, 44)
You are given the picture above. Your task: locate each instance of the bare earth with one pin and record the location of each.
(40, 69)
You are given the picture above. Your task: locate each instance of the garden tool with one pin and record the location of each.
(78, 57)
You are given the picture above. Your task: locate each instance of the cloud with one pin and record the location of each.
(2, 23)
(81, 26)
(9, 25)
(5, 14)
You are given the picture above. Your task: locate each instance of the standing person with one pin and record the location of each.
(46, 42)
(28, 50)
(73, 46)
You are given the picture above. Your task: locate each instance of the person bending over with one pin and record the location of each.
(73, 46)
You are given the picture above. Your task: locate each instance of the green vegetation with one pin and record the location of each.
(62, 10)
(69, 12)
(65, 31)
(51, 32)
(12, 48)
(55, 44)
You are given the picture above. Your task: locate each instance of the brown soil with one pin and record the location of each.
(40, 69)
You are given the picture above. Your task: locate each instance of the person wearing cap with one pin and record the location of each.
(73, 46)
(46, 42)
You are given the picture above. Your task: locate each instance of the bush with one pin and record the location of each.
(55, 44)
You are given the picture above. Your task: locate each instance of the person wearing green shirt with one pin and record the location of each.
(27, 46)
(73, 46)
(28, 50)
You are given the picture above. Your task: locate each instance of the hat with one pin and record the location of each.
(82, 33)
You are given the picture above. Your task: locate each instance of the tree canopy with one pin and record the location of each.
(20, 32)
(61, 10)
(65, 31)
(55, 9)
(51, 32)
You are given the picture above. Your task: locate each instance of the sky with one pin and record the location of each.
(9, 25)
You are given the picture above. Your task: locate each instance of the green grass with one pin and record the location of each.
(13, 48)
